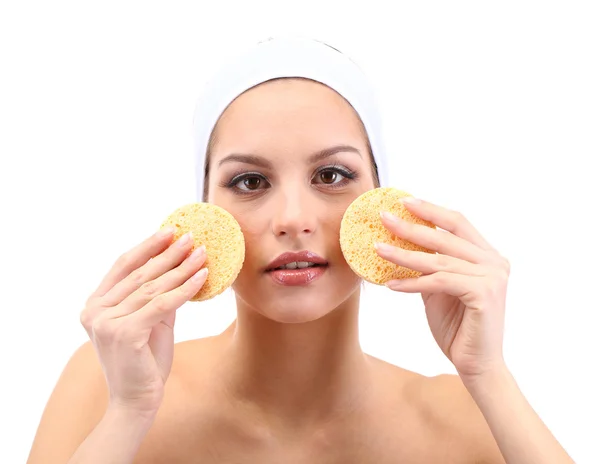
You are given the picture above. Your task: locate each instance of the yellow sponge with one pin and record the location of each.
(362, 227)
(218, 230)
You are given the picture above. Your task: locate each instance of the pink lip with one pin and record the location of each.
(294, 277)
(290, 257)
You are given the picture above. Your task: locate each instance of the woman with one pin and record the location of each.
(287, 137)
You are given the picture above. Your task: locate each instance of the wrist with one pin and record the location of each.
(494, 376)
(117, 438)
(124, 414)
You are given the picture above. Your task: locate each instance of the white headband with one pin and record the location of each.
(279, 58)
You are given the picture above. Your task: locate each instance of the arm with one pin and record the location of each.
(115, 440)
(129, 319)
(463, 286)
(519, 432)
(77, 426)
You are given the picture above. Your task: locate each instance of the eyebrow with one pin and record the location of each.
(264, 163)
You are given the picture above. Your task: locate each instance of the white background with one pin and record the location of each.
(490, 108)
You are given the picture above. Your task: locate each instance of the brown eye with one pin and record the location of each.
(332, 177)
(328, 177)
(252, 183)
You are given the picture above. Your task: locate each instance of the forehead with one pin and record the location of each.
(289, 113)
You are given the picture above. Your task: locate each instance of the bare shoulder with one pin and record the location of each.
(76, 405)
(448, 408)
(193, 359)
(80, 398)
(179, 430)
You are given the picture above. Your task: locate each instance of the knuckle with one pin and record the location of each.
(503, 278)
(494, 287)
(443, 262)
(138, 277)
(163, 304)
(92, 308)
(86, 318)
(457, 216)
(150, 290)
(397, 253)
(501, 265)
(440, 278)
(124, 260)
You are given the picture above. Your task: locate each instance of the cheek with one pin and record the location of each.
(329, 225)
(255, 226)
(253, 222)
(331, 219)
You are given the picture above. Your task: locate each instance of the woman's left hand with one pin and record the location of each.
(463, 285)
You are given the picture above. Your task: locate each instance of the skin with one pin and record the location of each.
(288, 381)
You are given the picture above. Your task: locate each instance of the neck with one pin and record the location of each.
(301, 373)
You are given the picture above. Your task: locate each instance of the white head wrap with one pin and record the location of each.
(279, 58)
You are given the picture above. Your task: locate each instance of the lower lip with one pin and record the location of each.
(293, 277)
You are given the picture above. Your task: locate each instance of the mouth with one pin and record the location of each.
(296, 260)
(296, 265)
(297, 268)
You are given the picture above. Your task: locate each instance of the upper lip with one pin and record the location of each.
(299, 256)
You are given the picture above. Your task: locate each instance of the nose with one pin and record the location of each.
(294, 214)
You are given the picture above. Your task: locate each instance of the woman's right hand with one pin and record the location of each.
(130, 317)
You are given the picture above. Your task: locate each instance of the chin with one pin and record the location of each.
(297, 304)
(297, 309)
(295, 315)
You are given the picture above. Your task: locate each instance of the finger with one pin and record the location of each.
(87, 317)
(452, 221)
(427, 263)
(434, 239)
(160, 286)
(135, 258)
(457, 285)
(161, 308)
(150, 271)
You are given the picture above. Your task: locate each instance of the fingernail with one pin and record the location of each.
(166, 231)
(393, 284)
(198, 253)
(389, 216)
(184, 239)
(410, 200)
(198, 276)
(384, 247)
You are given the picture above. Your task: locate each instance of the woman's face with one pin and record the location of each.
(288, 158)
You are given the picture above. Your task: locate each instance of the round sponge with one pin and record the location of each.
(218, 230)
(362, 227)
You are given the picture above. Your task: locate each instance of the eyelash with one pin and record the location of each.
(348, 175)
